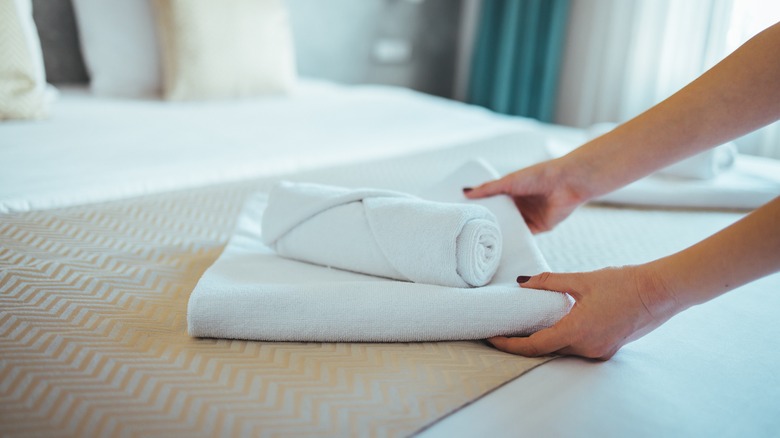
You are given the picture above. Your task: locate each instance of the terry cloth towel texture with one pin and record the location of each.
(383, 233)
(251, 292)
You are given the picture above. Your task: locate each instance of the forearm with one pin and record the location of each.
(746, 250)
(739, 95)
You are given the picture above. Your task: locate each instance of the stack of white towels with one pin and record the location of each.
(321, 263)
(383, 233)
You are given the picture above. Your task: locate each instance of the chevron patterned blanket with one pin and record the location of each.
(93, 339)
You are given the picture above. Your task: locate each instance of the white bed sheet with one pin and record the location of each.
(95, 149)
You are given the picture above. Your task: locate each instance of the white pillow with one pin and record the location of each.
(216, 49)
(24, 93)
(119, 44)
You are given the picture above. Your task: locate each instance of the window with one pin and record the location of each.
(749, 17)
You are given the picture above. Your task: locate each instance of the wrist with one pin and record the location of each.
(578, 177)
(656, 291)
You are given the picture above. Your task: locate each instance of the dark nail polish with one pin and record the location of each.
(523, 278)
(467, 189)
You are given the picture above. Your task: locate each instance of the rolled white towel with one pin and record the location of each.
(383, 233)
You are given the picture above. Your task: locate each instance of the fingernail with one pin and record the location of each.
(523, 278)
(467, 189)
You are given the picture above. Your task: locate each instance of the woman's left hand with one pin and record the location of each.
(613, 307)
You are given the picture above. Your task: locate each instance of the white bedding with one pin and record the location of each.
(95, 149)
(709, 371)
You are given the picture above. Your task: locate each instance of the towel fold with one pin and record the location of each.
(383, 233)
(252, 293)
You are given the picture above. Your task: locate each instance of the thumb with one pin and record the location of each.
(552, 282)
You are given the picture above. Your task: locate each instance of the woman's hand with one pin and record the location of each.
(613, 307)
(544, 193)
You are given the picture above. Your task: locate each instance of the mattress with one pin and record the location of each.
(93, 293)
(96, 149)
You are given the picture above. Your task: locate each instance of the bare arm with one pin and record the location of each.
(617, 305)
(738, 95)
(742, 252)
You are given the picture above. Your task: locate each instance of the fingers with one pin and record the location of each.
(553, 282)
(490, 188)
(596, 326)
(540, 343)
(536, 345)
(555, 339)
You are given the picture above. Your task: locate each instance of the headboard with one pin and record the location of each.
(334, 39)
(59, 40)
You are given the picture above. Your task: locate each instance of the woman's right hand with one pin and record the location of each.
(544, 193)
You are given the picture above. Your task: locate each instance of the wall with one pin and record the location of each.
(335, 39)
(59, 41)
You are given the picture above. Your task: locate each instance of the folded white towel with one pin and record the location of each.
(383, 233)
(252, 293)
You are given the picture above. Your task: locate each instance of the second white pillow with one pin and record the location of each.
(224, 49)
(120, 48)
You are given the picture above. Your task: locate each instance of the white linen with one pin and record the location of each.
(96, 149)
(119, 43)
(383, 233)
(250, 293)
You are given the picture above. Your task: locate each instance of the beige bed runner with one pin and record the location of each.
(93, 339)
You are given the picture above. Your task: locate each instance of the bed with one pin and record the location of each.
(101, 248)
(113, 208)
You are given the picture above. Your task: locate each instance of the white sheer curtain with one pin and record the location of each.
(623, 56)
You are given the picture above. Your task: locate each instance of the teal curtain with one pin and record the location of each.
(517, 56)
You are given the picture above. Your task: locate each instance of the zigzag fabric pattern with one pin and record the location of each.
(93, 339)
